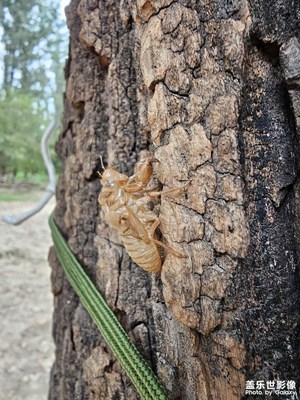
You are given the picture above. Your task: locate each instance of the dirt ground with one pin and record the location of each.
(26, 346)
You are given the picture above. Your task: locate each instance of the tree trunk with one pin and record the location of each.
(211, 89)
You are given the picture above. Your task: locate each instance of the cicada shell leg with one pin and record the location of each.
(153, 227)
(163, 192)
(161, 244)
(168, 248)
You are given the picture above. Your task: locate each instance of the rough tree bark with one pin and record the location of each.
(211, 89)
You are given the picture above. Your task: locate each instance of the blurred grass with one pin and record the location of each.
(23, 188)
(18, 196)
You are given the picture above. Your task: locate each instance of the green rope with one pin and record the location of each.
(133, 363)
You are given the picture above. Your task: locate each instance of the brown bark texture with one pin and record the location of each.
(211, 90)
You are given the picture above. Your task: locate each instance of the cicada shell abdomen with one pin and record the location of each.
(145, 255)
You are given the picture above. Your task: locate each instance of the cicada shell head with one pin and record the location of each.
(111, 181)
(112, 177)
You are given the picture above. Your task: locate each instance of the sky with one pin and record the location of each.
(63, 4)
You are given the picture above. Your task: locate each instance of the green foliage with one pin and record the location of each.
(32, 39)
(32, 80)
(21, 126)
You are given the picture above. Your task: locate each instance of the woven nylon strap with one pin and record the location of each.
(124, 350)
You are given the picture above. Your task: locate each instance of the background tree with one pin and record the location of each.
(33, 42)
(210, 89)
(19, 120)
